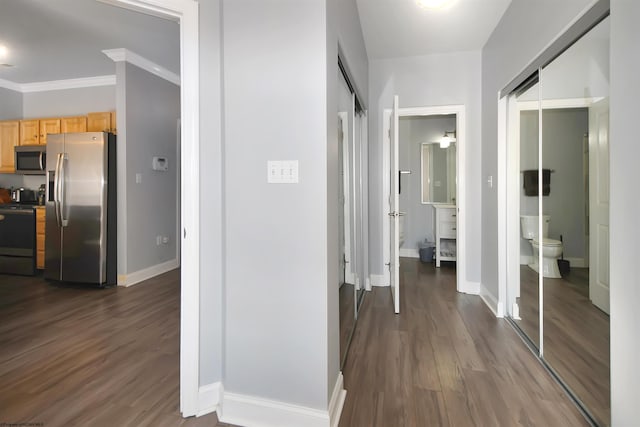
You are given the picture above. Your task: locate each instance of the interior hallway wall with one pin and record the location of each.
(11, 105)
(69, 102)
(439, 79)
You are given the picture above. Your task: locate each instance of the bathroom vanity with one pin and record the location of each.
(446, 225)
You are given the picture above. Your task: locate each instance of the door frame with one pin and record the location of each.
(185, 12)
(462, 284)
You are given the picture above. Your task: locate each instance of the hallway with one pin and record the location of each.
(445, 360)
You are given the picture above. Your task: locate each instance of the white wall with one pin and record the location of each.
(442, 79)
(277, 309)
(11, 105)
(69, 102)
(625, 234)
(523, 32)
(151, 120)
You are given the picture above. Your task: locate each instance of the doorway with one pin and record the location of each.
(411, 182)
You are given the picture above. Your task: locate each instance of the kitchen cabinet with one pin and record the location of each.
(48, 126)
(73, 124)
(446, 232)
(40, 236)
(114, 123)
(29, 131)
(101, 122)
(34, 131)
(9, 138)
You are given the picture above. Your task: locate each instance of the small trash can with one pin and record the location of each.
(426, 252)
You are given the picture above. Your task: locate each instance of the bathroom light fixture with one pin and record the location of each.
(447, 139)
(3, 51)
(433, 4)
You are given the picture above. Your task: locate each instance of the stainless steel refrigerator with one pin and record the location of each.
(80, 233)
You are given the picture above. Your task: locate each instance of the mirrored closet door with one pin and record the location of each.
(558, 291)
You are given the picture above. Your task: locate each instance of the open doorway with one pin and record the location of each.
(426, 161)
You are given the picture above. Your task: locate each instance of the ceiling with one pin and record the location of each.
(63, 39)
(400, 28)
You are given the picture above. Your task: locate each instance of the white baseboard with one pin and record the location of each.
(575, 262)
(367, 284)
(147, 273)
(378, 280)
(349, 277)
(209, 398)
(337, 401)
(468, 287)
(491, 302)
(255, 412)
(409, 253)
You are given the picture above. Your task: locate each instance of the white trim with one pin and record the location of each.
(409, 253)
(10, 85)
(367, 283)
(550, 104)
(379, 280)
(119, 55)
(337, 401)
(502, 203)
(186, 12)
(386, 165)
(462, 285)
(136, 277)
(490, 300)
(209, 397)
(468, 287)
(108, 80)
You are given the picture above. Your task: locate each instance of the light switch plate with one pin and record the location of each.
(282, 172)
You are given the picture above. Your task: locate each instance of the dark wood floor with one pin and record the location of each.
(91, 357)
(445, 360)
(576, 335)
(347, 316)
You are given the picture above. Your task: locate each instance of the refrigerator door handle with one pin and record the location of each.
(57, 196)
(63, 156)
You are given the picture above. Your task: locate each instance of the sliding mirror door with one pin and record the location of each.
(524, 153)
(575, 173)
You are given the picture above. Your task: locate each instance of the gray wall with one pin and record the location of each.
(413, 131)
(150, 120)
(11, 105)
(562, 151)
(625, 205)
(69, 102)
(277, 309)
(524, 30)
(212, 309)
(443, 79)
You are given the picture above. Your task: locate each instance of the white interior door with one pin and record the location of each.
(599, 204)
(394, 203)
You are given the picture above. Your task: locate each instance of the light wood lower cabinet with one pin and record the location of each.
(40, 236)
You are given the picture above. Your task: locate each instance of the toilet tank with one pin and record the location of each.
(529, 226)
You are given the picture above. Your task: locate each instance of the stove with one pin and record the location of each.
(18, 238)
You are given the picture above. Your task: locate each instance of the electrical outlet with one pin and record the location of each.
(165, 240)
(158, 240)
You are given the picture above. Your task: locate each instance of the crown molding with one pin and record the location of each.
(120, 55)
(83, 82)
(10, 85)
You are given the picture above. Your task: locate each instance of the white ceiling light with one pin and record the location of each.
(447, 139)
(433, 4)
(3, 51)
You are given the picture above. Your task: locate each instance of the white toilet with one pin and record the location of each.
(551, 249)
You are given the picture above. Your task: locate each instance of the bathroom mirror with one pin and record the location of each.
(438, 177)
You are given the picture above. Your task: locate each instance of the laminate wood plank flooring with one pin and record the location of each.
(445, 360)
(576, 335)
(347, 316)
(74, 356)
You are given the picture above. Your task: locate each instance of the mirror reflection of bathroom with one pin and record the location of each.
(560, 120)
(575, 258)
(427, 162)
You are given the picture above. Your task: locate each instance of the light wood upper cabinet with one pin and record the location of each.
(48, 126)
(29, 132)
(114, 124)
(99, 122)
(73, 124)
(9, 138)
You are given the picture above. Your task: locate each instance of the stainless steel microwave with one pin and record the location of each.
(31, 159)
